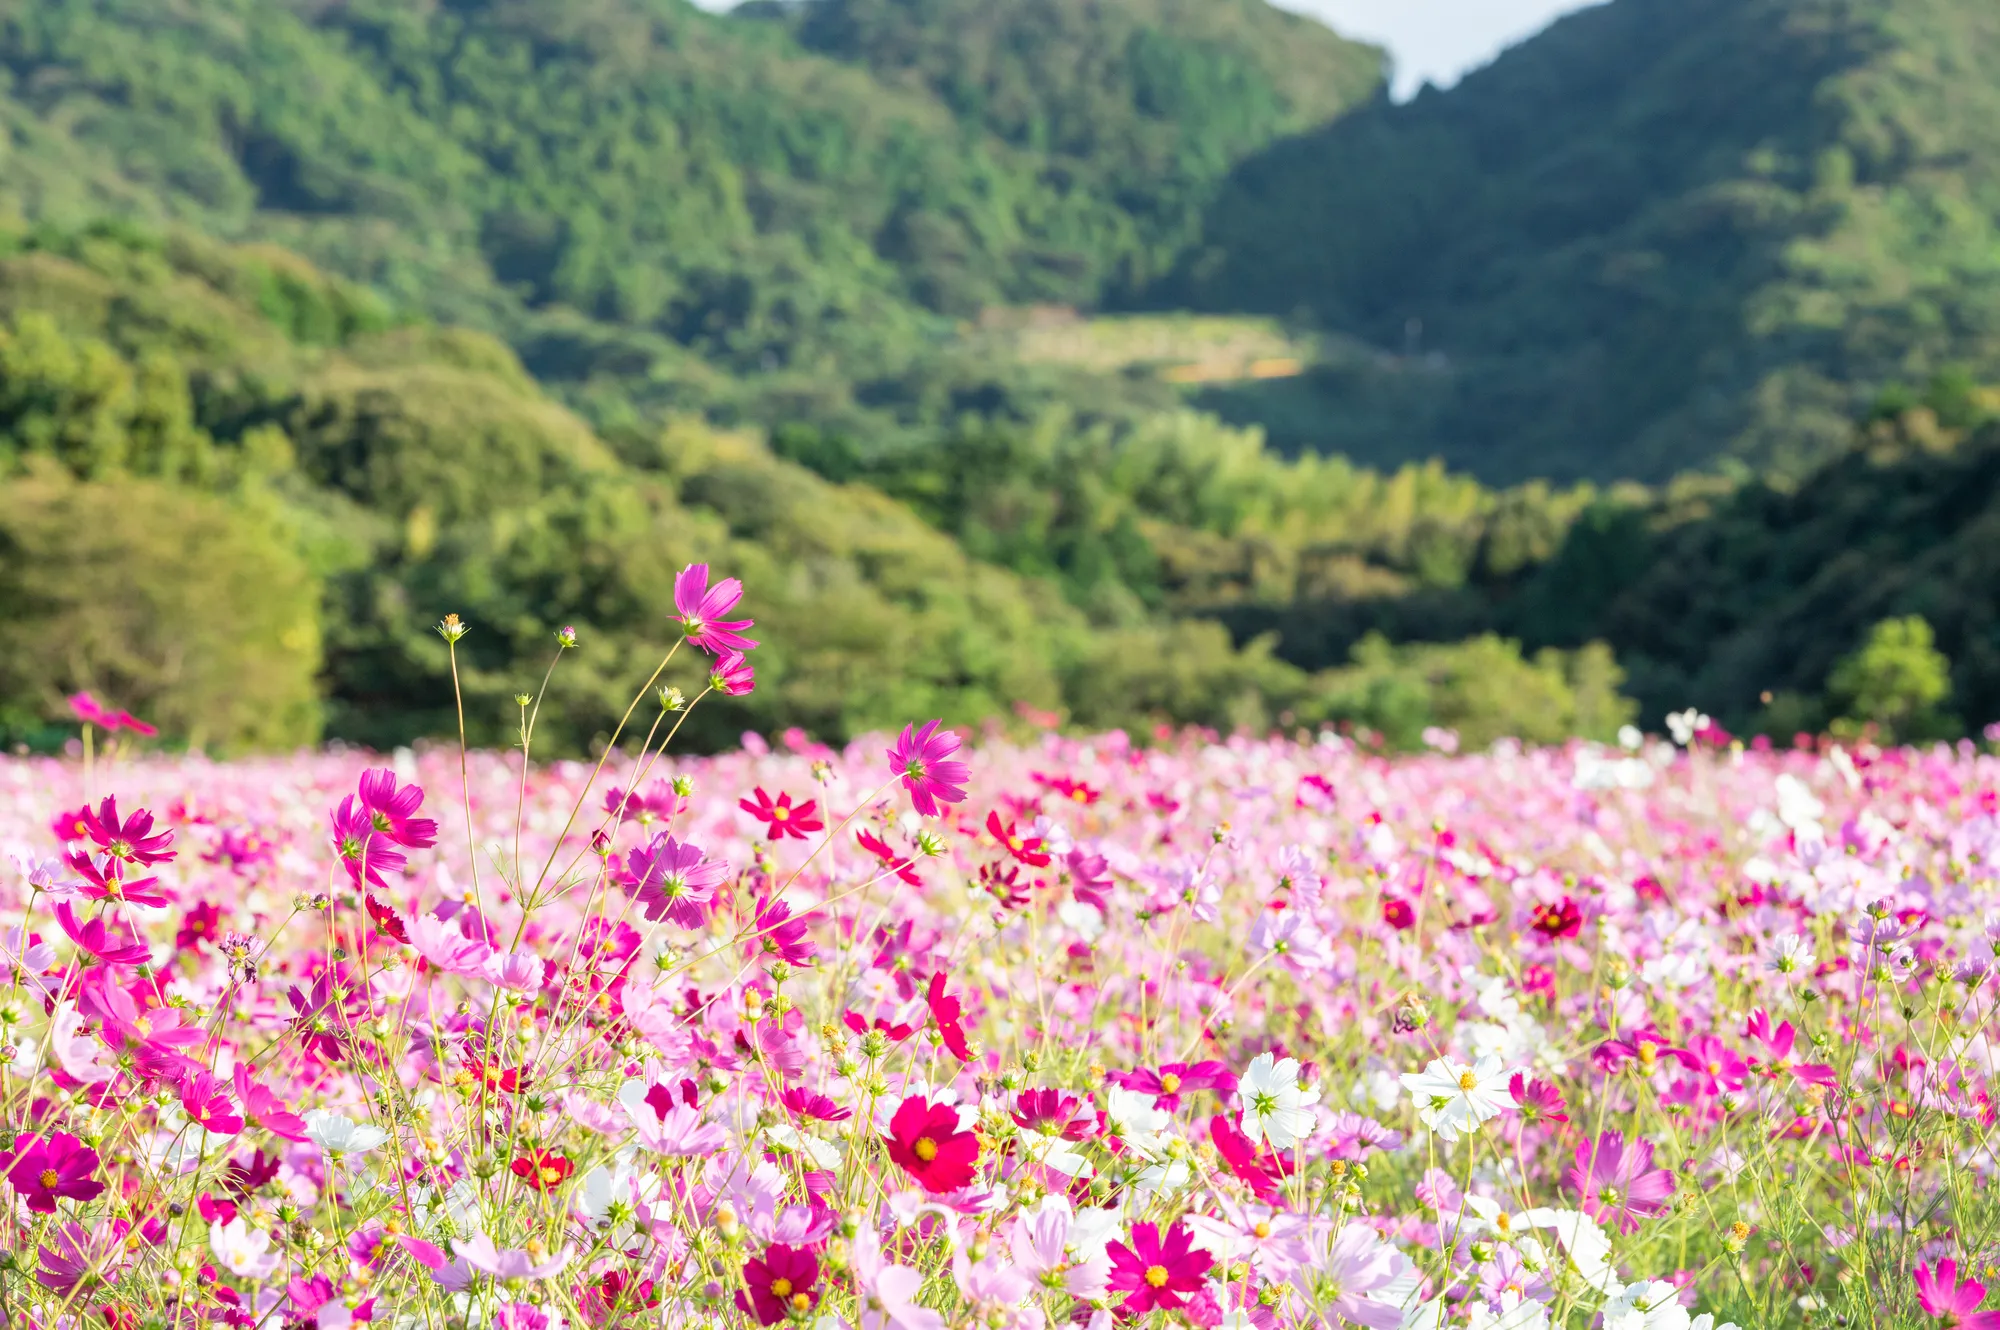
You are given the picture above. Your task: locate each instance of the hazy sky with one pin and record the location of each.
(1437, 39)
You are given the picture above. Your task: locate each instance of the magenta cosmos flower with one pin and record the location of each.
(702, 606)
(131, 839)
(927, 1141)
(62, 1166)
(1155, 1271)
(779, 1284)
(921, 756)
(672, 879)
(732, 675)
(392, 809)
(1618, 1182)
(1940, 1294)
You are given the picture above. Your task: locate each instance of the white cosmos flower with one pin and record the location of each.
(1453, 1098)
(1513, 1313)
(338, 1135)
(1136, 1122)
(1650, 1304)
(1276, 1108)
(1791, 958)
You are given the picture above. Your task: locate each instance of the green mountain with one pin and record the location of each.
(1663, 235)
(664, 209)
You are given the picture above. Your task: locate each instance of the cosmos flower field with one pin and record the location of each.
(926, 1033)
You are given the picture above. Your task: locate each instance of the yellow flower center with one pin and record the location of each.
(925, 1148)
(1156, 1275)
(550, 1175)
(801, 1301)
(50, 1178)
(1262, 1228)
(780, 813)
(1170, 1083)
(781, 1288)
(1467, 1081)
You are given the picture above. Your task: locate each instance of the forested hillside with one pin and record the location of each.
(1662, 235)
(507, 308)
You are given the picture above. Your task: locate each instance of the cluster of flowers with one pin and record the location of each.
(1223, 1034)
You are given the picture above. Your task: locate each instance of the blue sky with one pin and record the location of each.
(1436, 39)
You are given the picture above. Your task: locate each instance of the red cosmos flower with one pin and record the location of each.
(392, 809)
(263, 1107)
(732, 675)
(804, 1103)
(1941, 1295)
(199, 925)
(701, 609)
(779, 1283)
(387, 922)
(925, 1139)
(59, 1165)
(902, 866)
(507, 1080)
(93, 938)
(209, 1104)
(1073, 790)
(1155, 1271)
(1027, 849)
(945, 1011)
(1241, 1156)
(1563, 918)
(1618, 1182)
(1397, 913)
(102, 881)
(895, 1034)
(1003, 885)
(782, 818)
(922, 758)
(542, 1169)
(131, 840)
(1538, 1101)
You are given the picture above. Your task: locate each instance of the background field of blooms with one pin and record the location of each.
(1238, 1033)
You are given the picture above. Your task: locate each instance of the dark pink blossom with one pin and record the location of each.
(701, 609)
(922, 758)
(1618, 1182)
(57, 1166)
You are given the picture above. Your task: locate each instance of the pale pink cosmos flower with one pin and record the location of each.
(1050, 1247)
(445, 947)
(888, 1293)
(509, 1262)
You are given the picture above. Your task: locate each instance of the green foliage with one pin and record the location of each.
(189, 610)
(1481, 688)
(1896, 681)
(1662, 234)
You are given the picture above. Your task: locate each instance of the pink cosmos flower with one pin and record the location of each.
(1157, 1271)
(672, 879)
(508, 1263)
(922, 757)
(781, 818)
(1041, 1248)
(445, 947)
(702, 607)
(1090, 880)
(1618, 1182)
(888, 1293)
(803, 1103)
(132, 840)
(74, 1256)
(1538, 1100)
(208, 1104)
(902, 866)
(1941, 1295)
(104, 880)
(392, 809)
(775, 935)
(658, 802)
(59, 1165)
(265, 1109)
(95, 940)
(1171, 1080)
(1717, 1067)
(365, 853)
(732, 675)
(1348, 1278)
